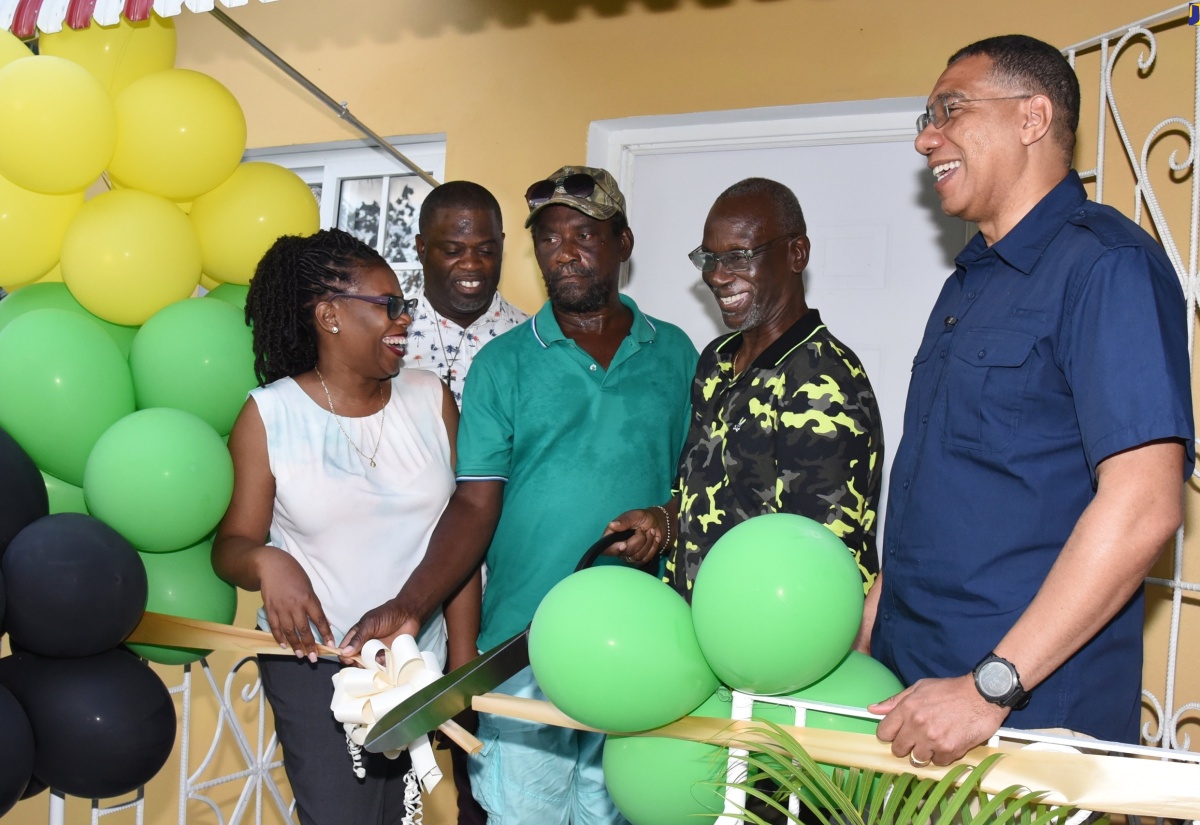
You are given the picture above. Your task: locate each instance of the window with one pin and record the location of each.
(367, 192)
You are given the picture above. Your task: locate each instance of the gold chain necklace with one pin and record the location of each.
(382, 418)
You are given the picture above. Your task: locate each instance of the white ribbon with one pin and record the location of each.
(362, 695)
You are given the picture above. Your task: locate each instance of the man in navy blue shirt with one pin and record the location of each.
(1046, 433)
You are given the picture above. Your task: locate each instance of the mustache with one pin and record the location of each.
(572, 270)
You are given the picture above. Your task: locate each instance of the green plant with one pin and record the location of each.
(853, 796)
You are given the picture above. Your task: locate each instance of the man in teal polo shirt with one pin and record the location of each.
(575, 414)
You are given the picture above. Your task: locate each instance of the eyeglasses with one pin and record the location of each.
(938, 112)
(577, 185)
(396, 306)
(735, 260)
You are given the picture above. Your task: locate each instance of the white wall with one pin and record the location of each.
(881, 247)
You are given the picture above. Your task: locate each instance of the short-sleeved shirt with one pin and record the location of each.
(798, 431)
(437, 344)
(1060, 345)
(576, 445)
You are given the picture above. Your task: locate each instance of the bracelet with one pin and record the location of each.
(662, 548)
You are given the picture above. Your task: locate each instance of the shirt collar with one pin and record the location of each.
(487, 317)
(546, 330)
(796, 334)
(1024, 244)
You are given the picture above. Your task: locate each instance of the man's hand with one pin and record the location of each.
(646, 540)
(938, 720)
(384, 623)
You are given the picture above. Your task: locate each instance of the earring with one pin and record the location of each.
(334, 330)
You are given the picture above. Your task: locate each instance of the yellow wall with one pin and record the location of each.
(514, 84)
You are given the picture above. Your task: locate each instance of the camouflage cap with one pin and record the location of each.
(602, 202)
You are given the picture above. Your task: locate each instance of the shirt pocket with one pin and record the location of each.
(922, 383)
(986, 390)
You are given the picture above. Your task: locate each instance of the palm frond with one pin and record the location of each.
(853, 796)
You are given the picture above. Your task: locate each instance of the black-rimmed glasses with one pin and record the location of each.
(396, 306)
(735, 260)
(938, 113)
(578, 185)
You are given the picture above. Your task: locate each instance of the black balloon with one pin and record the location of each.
(35, 787)
(23, 498)
(75, 587)
(16, 755)
(104, 725)
(1, 605)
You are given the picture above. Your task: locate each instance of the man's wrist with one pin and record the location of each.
(998, 681)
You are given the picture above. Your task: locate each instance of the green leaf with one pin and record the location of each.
(853, 796)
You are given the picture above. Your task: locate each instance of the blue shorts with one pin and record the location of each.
(528, 772)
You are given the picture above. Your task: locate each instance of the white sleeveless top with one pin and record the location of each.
(358, 531)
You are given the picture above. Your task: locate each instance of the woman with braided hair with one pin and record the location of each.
(343, 460)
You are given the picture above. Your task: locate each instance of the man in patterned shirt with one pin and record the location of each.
(460, 245)
(784, 419)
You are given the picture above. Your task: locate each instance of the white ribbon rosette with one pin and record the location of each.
(362, 695)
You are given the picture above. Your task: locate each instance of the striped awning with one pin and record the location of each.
(25, 18)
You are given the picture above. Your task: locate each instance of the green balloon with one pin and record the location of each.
(183, 583)
(660, 781)
(776, 604)
(195, 355)
(57, 296)
(63, 382)
(64, 497)
(234, 294)
(614, 648)
(663, 781)
(857, 681)
(162, 478)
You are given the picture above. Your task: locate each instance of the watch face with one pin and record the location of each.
(995, 680)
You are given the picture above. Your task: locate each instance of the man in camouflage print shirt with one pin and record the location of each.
(784, 419)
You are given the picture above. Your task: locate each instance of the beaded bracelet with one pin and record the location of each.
(662, 548)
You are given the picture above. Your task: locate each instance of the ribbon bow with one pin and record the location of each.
(361, 696)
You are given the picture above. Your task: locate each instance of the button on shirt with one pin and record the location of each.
(797, 431)
(439, 345)
(1060, 345)
(575, 445)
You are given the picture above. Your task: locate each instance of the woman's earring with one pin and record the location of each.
(334, 330)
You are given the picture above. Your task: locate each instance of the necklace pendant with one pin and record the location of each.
(372, 462)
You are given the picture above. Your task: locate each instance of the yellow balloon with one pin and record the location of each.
(208, 283)
(59, 127)
(116, 55)
(53, 276)
(179, 134)
(11, 48)
(32, 227)
(128, 254)
(239, 220)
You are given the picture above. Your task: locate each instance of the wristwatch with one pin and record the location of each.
(997, 680)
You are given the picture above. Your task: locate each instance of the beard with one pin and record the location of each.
(573, 298)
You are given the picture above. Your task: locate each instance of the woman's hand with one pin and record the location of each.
(291, 604)
(384, 623)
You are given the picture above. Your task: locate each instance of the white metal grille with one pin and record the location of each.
(1143, 36)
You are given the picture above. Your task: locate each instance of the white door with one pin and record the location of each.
(881, 246)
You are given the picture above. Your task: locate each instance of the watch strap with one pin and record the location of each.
(1016, 697)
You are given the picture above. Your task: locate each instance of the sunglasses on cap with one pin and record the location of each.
(577, 185)
(396, 306)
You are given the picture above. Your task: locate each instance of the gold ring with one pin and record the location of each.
(918, 763)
